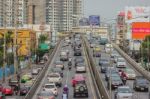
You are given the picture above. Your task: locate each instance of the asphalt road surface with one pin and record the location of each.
(136, 95)
(68, 74)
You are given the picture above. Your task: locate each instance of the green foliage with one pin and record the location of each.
(43, 38)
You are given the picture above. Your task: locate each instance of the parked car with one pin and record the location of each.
(56, 78)
(51, 87)
(123, 92)
(80, 67)
(7, 90)
(26, 77)
(80, 90)
(141, 84)
(45, 95)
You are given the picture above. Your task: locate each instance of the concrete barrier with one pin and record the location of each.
(92, 75)
(135, 65)
(96, 74)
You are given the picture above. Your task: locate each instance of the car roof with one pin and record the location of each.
(79, 77)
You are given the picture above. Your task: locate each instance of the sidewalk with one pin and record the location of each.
(23, 71)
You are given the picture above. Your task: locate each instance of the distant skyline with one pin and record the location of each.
(107, 9)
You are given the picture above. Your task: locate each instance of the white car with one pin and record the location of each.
(59, 64)
(121, 63)
(35, 71)
(130, 73)
(55, 78)
(51, 87)
(80, 67)
(123, 92)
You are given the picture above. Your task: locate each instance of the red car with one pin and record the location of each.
(7, 90)
(78, 78)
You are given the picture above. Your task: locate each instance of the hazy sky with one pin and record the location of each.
(109, 8)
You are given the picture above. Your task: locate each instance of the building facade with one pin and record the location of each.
(61, 14)
(11, 10)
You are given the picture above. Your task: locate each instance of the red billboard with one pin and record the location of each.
(140, 30)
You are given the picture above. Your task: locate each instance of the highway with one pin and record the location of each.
(68, 74)
(136, 95)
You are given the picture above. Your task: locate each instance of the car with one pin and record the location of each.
(80, 90)
(80, 67)
(24, 90)
(63, 56)
(51, 87)
(107, 73)
(56, 78)
(35, 71)
(130, 73)
(123, 92)
(78, 78)
(114, 83)
(92, 45)
(78, 60)
(42, 61)
(59, 64)
(103, 68)
(103, 61)
(1, 87)
(57, 70)
(45, 95)
(7, 90)
(2, 96)
(26, 77)
(140, 84)
(121, 63)
(14, 84)
(78, 52)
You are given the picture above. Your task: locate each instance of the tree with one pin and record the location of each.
(43, 38)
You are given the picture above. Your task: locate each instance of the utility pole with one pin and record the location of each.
(15, 37)
(4, 46)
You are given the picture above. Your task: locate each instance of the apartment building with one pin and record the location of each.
(8, 15)
(61, 14)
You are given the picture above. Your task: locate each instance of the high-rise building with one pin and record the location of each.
(61, 14)
(8, 15)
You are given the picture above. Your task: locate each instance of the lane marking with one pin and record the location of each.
(89, 76)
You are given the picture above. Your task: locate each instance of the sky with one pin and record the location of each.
(107, 9)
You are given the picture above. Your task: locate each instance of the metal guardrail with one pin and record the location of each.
(92, 75)
(139, 68)
(41, 75)
(97, 77)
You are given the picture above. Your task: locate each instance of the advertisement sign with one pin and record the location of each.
(140, 30)
(94, 20)
(137, 14)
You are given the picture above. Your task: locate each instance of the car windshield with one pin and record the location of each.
(115, 78)
(142, 81)
(58, 62)
(130, 71)
(53, 75)
(124, 90)
(45, 94)
(49, 86)
(121, 60)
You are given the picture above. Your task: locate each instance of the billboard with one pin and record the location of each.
(94, 20)
(140, 30)
(137, 14)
